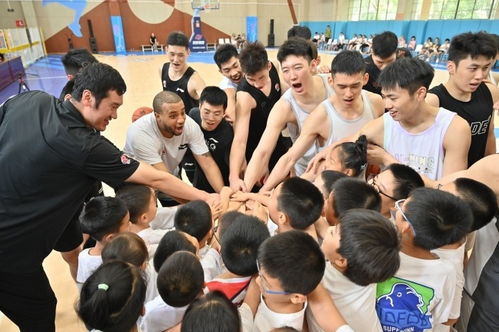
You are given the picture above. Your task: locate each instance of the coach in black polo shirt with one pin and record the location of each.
(51, 153)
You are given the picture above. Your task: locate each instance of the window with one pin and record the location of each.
(462, 9)
(372, 10)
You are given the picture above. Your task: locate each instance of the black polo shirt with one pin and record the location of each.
(49, 161)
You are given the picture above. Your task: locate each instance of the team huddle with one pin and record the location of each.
(341, 198)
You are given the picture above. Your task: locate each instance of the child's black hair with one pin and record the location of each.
(112, 298)
(194, 218)
(127, 247)
(170, 243)
(180, 279)
(137, 198)
(101, 216)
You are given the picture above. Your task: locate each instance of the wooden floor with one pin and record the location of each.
(141, 74)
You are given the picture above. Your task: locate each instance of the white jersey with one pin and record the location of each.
(341, 127)
(294, 129)
(87, 264)
(145, 142)
(160, 316)
(266, 319)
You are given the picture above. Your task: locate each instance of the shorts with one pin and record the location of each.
(71, 237)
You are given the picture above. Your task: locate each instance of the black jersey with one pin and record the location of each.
(219, 141)
(179, 86)
(478, 113)
(373, 71)
(260, 114)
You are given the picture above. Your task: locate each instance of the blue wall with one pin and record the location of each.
(421, 29)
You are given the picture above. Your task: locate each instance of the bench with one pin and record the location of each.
(149, 47)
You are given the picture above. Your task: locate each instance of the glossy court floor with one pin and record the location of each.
(141, 74)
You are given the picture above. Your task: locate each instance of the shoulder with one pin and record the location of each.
(432, 97)
(494, 91)
(457, 123)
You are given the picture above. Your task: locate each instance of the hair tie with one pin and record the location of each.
(104, 287)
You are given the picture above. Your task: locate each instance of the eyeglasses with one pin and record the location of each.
(379, 190)
(397, 206)
(265, 284)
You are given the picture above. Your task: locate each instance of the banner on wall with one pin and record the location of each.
(119, 37)
(197, 42)
(251, 28)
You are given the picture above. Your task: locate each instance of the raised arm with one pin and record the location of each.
(195, 85)
(457, 142)
(245, 103)
(313, 128)
(230, 111)
(279, 115)
(168, 184)
(211, 170)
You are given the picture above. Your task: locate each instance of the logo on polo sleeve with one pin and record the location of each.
(124, 159)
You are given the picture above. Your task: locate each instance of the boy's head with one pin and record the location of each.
(194, 218)
(103, 217)
(180, 279)
(140, 201)
(297, 67)
(384, 49)
(212, 312)
(255, 64)
(225, 221)
(227, 60)
(326, 180)
(364, 246)
(300, 31)
(291, 264)
(432, 218)
(349, 157)
(240, 243)
(471, 56)
(212, 105)
(127, 247)
(394, 183)
(177, 49)
(480, 198)
(295, 204)
(348, 76)
(172, 242)
(75, 60)
(350, 193)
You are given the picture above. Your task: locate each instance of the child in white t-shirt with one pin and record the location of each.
(141, 202)
(290, 266)
(195, 219)
(180, 281)
(362, 249)
(102, 218)
(239, 247)
(420, 295)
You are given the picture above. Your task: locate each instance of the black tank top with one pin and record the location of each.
(478, 113)
(179, 87)
(260, 114)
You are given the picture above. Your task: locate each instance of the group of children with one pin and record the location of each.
(322, 249)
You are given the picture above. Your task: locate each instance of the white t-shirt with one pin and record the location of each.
(152, 237)
(212, 263)
(350, 300)
(164, 218)
(456, 257)
(160, 316)
(419, 297)
(227, 84)
(87, 264)
(145, 142)
(151, 277)
(246, 318)
(266, 319)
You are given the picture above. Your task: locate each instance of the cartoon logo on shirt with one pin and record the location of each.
(124, 159)
(212, 143)
(402, 305)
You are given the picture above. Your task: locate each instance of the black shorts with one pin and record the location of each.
(71, 237)
(28, 300)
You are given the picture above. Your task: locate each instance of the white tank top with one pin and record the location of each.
(341, 127)
(423, 151)
(294, 130)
